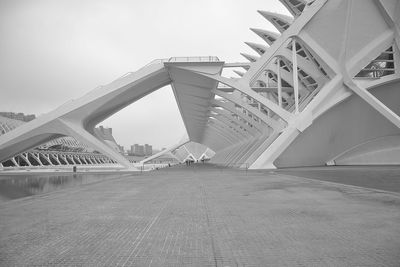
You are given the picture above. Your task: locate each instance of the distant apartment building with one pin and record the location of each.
(18, 116)
(148, 150)
(137, 150)
(105, 133)
(141, 150)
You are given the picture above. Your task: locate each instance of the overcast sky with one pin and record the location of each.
(55, 50)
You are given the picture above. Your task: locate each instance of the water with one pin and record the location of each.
(23, 185)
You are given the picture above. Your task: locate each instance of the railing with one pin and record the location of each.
(185, 59)
(171, 59)
(194, 59)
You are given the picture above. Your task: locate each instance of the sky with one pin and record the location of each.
(52, 51)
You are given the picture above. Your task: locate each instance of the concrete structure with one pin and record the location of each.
(324, 90)
(194, 152)
(58, 153)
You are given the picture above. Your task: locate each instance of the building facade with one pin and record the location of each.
(148, 150)
(322, 89)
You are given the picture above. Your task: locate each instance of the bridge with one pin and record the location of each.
(322, 91)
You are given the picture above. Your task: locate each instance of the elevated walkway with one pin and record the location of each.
(77, 118)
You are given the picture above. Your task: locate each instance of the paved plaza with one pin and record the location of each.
(203, 216)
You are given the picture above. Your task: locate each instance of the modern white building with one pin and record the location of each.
(59, 152)
(323, 89)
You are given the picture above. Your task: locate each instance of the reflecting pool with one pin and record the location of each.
(23, 185)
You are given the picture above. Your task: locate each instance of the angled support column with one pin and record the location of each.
(279, 82)
(304, 64)
(230, 107)
(238, 125)
(274, 124)
(295, 76)
(88, 110)
(15, 162)
(228, 129)
(224, 140)
(241, 86)
(37, 158)
(373, 102)
(278, 145)
(228, 116)
(24, 156)
(224, 132)
(261, 148)
(73, 129)
(47, 157)
(391, 21)
(230, 124)
(348, 81)
(288, 78)
(55, 158)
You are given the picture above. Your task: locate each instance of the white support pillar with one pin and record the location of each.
(47, 157)
(74, 129)
(373, 101)
(295, 77)
(37, 158)
(63, 159)
(24, 156)
(55, 158)
(278, 71)
(15, 162)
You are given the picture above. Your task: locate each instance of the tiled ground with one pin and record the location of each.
(203, 216)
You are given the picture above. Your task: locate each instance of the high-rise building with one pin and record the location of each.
(141, 150)
(148, 150)
(105, 133)
(18, 116)
(137, 150)
(122, 149)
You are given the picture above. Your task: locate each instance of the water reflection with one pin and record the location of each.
(17, 186)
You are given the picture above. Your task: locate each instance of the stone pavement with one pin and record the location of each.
(203, 216)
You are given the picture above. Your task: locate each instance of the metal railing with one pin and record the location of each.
(194, 59)
(185, 59)
(171, 59)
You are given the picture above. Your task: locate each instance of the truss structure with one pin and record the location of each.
(323, 89)
(63, 152)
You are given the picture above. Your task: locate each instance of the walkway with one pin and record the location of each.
(203, 216)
